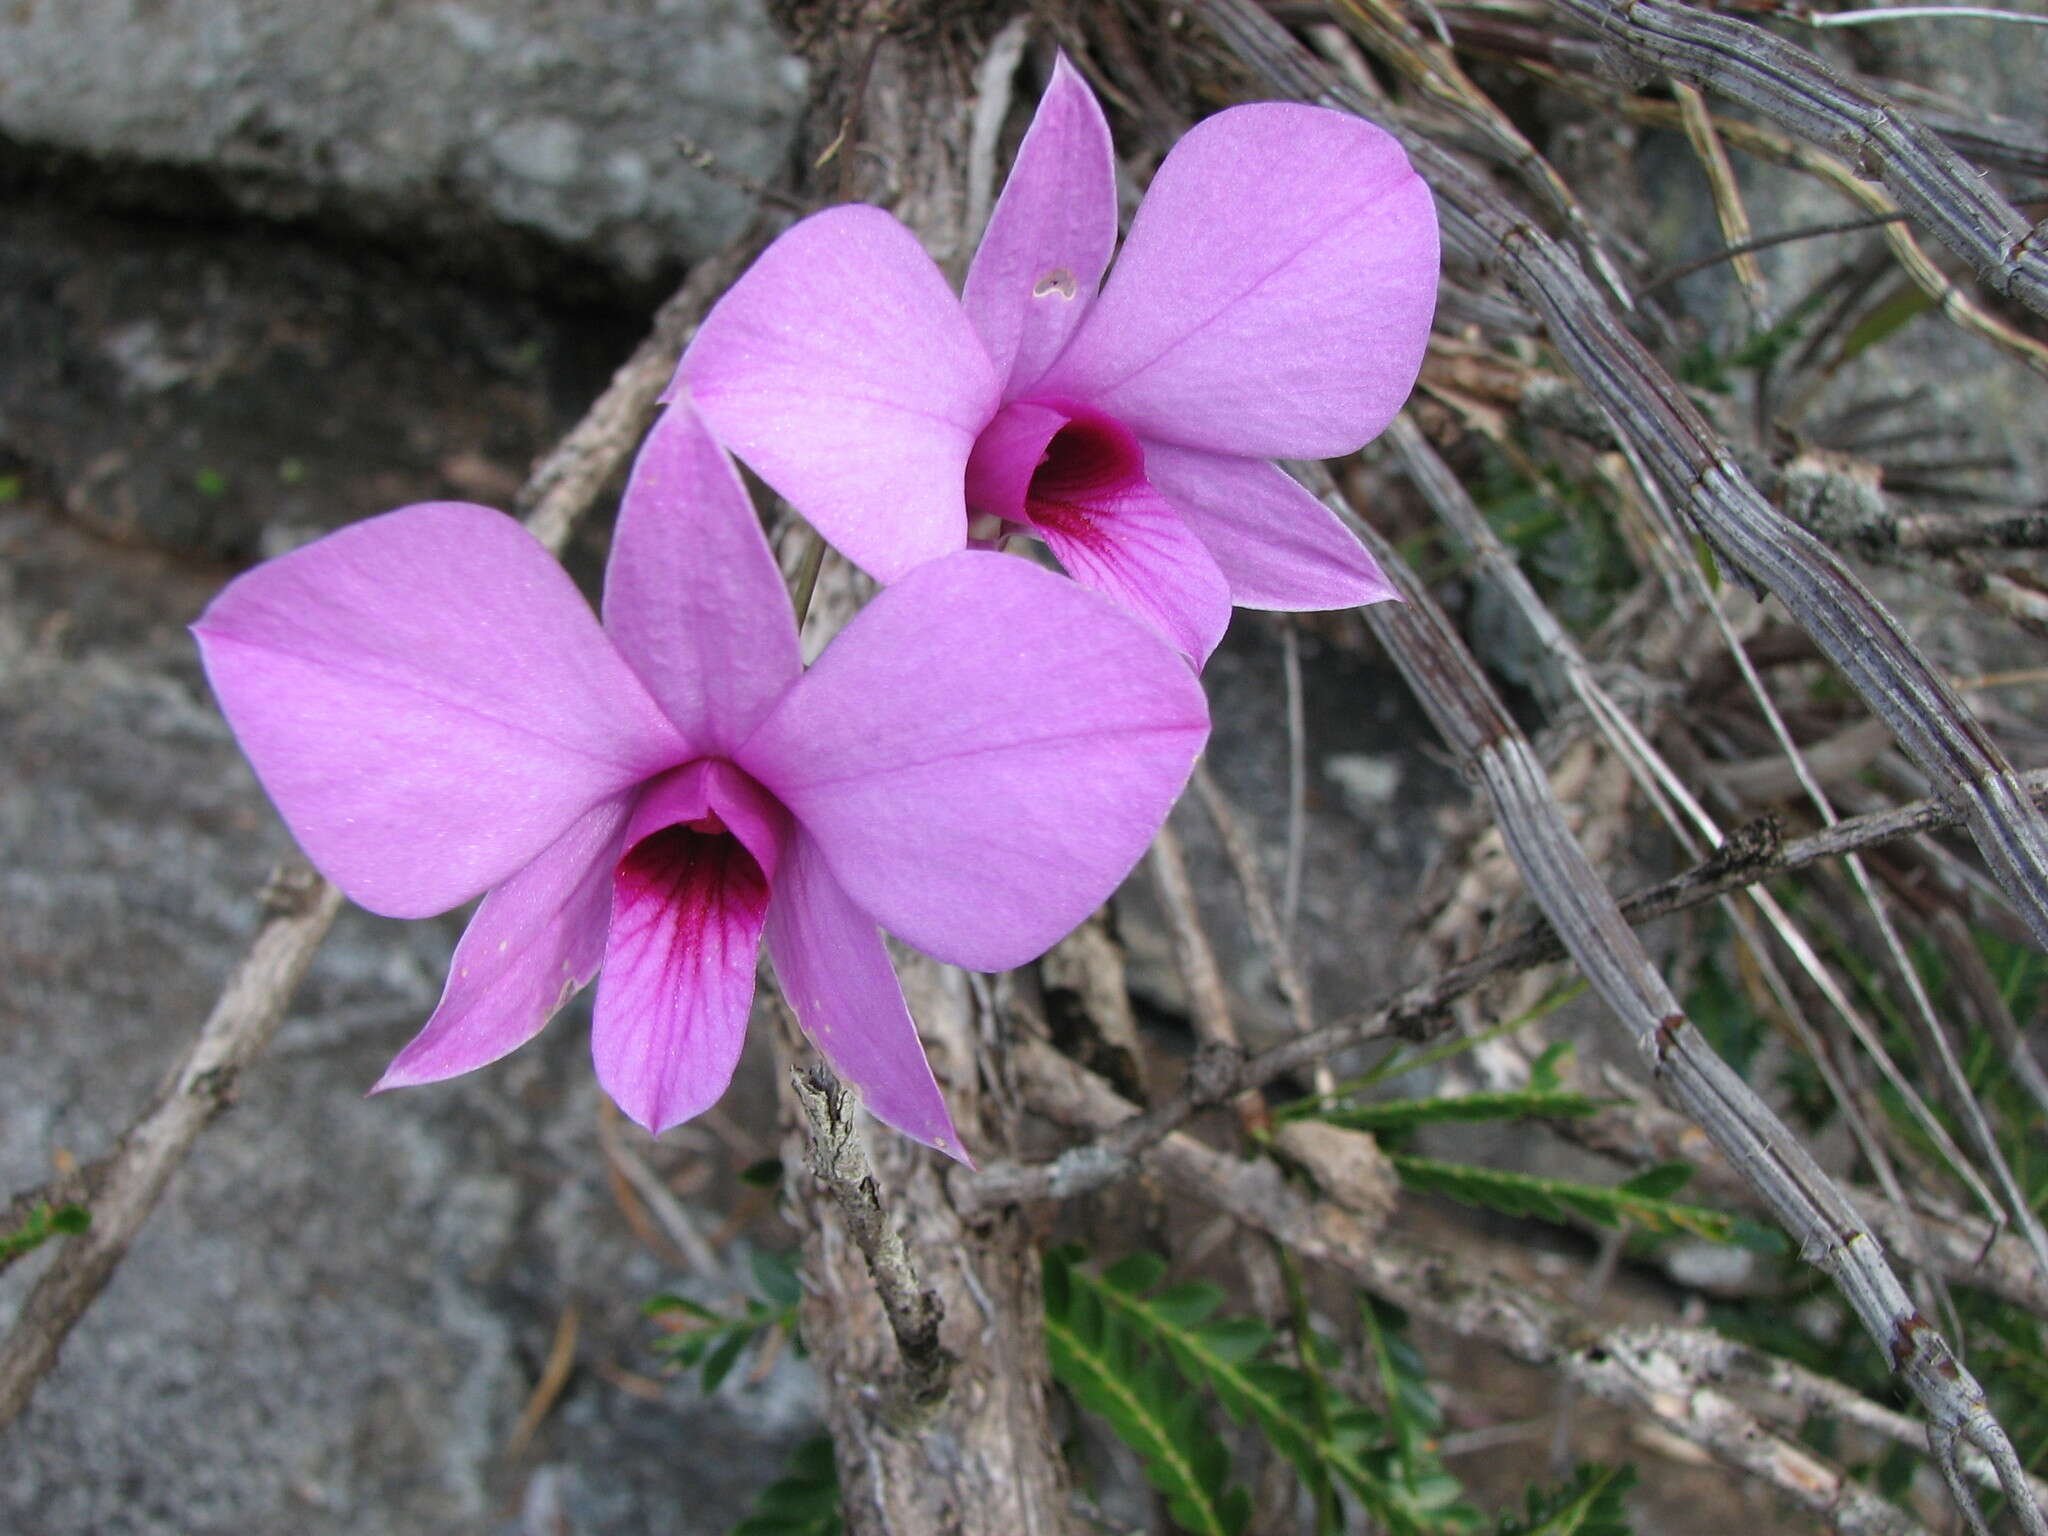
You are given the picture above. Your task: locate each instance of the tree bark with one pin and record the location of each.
(967, 1448)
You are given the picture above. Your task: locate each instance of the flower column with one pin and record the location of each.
(981, 1460)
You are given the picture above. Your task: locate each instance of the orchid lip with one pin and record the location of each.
(710, 797)
(1046, 462)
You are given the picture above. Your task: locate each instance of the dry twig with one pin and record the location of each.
(841, 1165)
(1790, 86)
(1659, 425)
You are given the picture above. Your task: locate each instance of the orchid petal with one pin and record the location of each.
(1134, 549)
(835, 972)
(429, 702)
(982, 754)
(692, 596)
(1277, 545)
(841, 367)
(1007, 456)
(535, 940)
(710, 788)
(1050, 237)
(687, 912)
(1274, 296)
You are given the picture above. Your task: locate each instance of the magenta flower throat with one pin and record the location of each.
(1273, 300)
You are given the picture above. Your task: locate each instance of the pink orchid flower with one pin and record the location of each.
(973, 764)
(1273, 300)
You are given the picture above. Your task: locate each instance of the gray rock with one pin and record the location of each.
(223, 393)
(453, 120)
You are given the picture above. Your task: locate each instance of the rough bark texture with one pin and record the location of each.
(976, 1456)
(890, 122)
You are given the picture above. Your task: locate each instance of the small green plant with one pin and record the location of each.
(1146, 1357)
(43, 1222)
(1391, 1116)
(1190, 1353)
(1124, 1375)
(1588, 1505)
(712, 1342)
(1644, 1201)
(804, 1501)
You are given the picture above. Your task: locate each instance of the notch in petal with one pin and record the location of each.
(983, 754)
(1274, 296)
(1277, 545)
(533, 943)
(691, 595)
(428, 700)
(688, 907)
(835, 971)
(841, 367)
(1049, 240)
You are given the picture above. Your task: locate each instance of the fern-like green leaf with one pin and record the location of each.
(1347, 1442)
(1114, 1374)
(1522, 1194)
(1405, 1114)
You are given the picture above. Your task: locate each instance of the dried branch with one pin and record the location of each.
(1962, 1249)
(1448, 498)
(1794, 89)
(1751, 854)
(1429, 62)
(841, 1165)
(1951, 298)
(1659, 424)
(1766, 242)
(124, 1185)
(1266, 925)
(1726, 192)
(1828, 1229)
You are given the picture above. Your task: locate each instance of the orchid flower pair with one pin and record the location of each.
(987, 748)
(1272, 300)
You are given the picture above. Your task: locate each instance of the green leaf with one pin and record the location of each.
(804, 1501)
(765, 1174)
(1137, 1273)
(1559, 1200)
(719, 1363)
(1399, 1063)
(43, 1222)
(701, 1336)
(776, 1274)
(1344, 1440)
(1660, 1182)
(1113, 1373)
(1391, 1115)
(1543, 1070)
(1880, 322)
